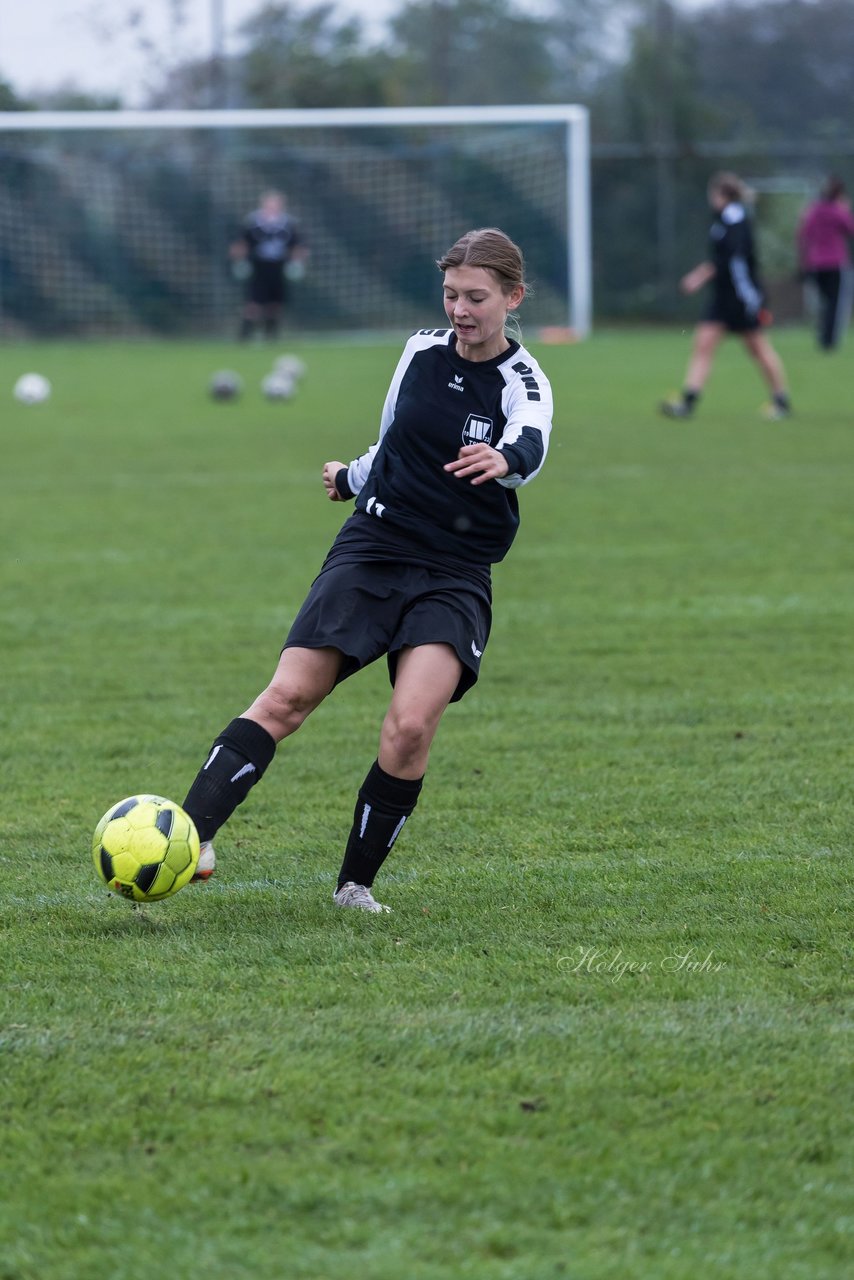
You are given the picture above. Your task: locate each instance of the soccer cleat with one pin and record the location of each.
(776, 412)
(675, 409)
(207, 861)
(357, 895)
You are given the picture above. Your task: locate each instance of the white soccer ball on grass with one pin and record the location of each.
(291, 366)
(225, 385)
(32, 388)
(278, 386)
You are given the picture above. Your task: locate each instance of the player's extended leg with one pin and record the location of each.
(707, 335)
(425, 681)
(426, 678)
(302, 679)
(771, 367)
(706, 340)
(242, 752)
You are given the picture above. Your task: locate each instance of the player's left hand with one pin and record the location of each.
(478, 463)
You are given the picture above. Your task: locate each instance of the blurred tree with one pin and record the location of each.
(453, 52)
(653, 97)
(10, 100)
(70, 97)
(782, 67)
(155, 33)
(652, 70)
(585, 40)
(308, 58)
(647, 112)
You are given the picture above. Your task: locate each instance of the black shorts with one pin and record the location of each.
(732, 314)
(378, 607)
(267, 286)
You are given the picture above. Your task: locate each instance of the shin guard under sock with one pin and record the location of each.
(384, 804)
(238, 758)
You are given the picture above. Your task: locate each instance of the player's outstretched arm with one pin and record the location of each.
(695, 279)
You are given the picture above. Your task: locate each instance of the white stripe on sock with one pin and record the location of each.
(241, 773)
(396, 832)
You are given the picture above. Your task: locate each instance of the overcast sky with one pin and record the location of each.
(44, 43)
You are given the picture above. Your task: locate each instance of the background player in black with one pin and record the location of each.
(736, 304)
(465, 423)
(268, 247)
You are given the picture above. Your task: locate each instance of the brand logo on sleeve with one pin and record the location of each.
(526, 373)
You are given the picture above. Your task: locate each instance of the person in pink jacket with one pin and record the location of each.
(824, 232)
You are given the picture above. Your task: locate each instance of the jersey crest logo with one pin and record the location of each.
(457, 384)
(477, 430)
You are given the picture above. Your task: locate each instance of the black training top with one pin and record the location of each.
(733, 254)
(270, 240)
(437, 402)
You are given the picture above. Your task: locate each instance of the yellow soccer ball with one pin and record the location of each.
(145, 848)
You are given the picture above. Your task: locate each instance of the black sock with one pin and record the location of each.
(383, 806)
(236, 761)
(690, 398)
(781, 399)
(247, 328)
(271, 326)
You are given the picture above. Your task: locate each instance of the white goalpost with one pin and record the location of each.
(118, 221)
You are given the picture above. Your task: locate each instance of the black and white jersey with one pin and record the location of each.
(733, 254)
(437, 402)
(268, 239)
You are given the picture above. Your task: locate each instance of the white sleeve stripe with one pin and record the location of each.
(744, 286)
(527, 404)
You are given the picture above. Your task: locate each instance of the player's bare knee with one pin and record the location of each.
(283, 708)
(407, 737)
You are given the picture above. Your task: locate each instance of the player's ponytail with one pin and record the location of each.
(731, 188)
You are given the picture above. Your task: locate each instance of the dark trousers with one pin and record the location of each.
(833, 305)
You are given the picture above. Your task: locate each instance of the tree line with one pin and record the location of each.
(654, 72)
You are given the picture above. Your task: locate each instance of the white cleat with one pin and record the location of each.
(357, 895)
(207, 861)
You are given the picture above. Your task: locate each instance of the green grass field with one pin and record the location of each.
(605, 1034)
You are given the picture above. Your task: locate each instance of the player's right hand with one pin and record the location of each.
(330, 471)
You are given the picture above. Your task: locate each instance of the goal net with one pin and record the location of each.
(119, 222)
